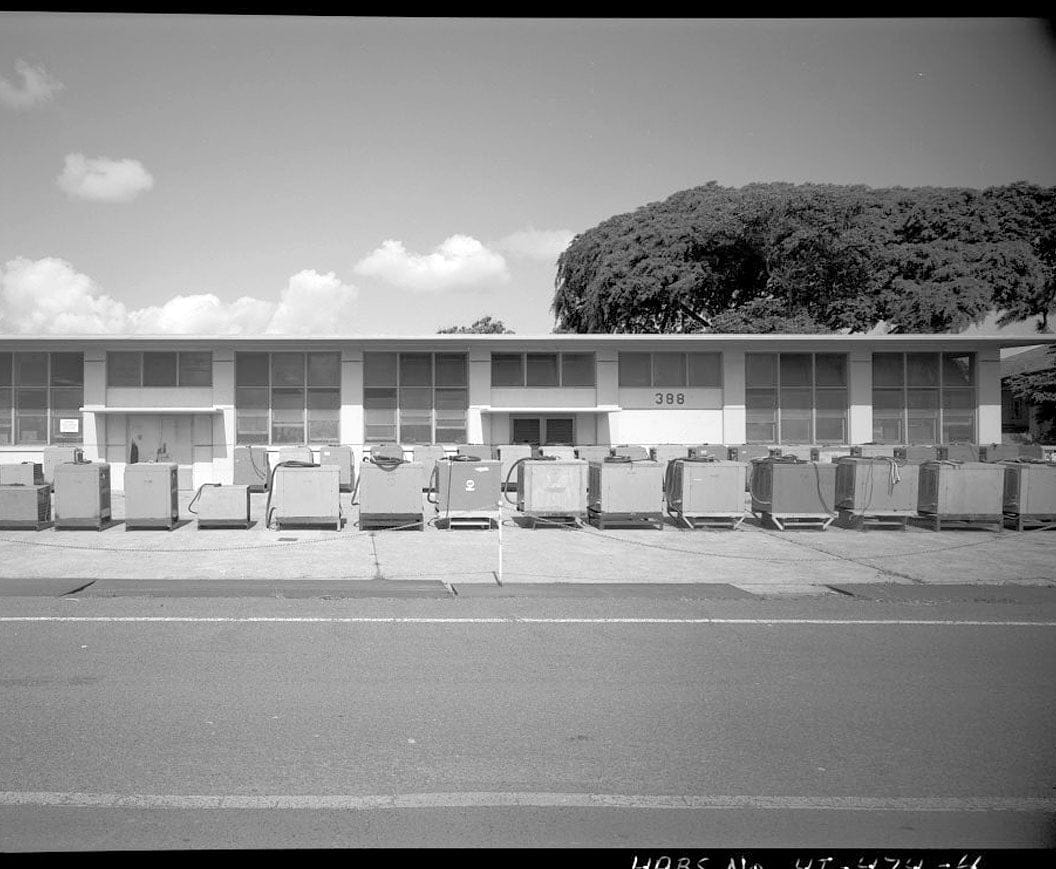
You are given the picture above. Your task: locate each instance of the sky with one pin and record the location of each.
(317, 175)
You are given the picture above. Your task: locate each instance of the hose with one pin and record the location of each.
(386, 463)
(261, 474)
(290, 463)
(197, 495)
(774, 459)
(513, 470)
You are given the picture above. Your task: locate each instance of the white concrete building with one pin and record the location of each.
(193, 399)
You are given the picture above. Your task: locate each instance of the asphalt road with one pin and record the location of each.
(672, 721)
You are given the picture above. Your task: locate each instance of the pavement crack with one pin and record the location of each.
(374, 554)
(80, 588)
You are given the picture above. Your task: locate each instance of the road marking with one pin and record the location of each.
(524, 799)
(502, 620)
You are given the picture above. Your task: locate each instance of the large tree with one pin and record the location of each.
(814, 258)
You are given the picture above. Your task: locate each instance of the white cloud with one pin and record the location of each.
(37, 87)
(103, 180)
(48, 296)
(314, 304)
(202, 314)
(459, 261)
(542, 244)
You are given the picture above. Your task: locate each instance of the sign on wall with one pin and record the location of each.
(671, 399)
(69, 426)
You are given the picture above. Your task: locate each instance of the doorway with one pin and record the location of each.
(543, 430)
(162, 438)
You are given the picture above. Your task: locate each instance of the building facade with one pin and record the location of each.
(192, 400)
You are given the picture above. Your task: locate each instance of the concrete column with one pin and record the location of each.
(734, 415)
(223, 423)
(860, 396)
(988, 378)
(608, 392)
(94, 425)
(352, 426)
(478, 425)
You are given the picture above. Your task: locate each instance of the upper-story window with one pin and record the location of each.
(542, 369)
(287, 398)
(40, 398)
(924, 397)
(671, 370)
(167, 368)
(415, 398)
(796, 398)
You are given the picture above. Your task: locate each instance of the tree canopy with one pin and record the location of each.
(483, 326)
(1038, 388)
(814, 258)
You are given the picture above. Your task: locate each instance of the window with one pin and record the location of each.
(416, 398)
(924, 397)
(542, 369)
(796, 397)
(40, 398)
(286, 398)
(196, 369)
(548, 430)
(670, 370)
(636, 370)
(159, 369)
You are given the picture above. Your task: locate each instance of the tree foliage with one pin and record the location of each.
(483, 326)
(814, 258)
(1038, 388)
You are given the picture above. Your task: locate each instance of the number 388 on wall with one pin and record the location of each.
(669, 398)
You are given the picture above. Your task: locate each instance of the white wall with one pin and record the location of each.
(352, 430)
(860, 397)
(95, 426)
(480, 393)
(734, 418)
(546, 397)
(667, 427)
(160, 396)
(988, 378)
(223, 423)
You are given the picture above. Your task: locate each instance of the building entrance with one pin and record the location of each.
(162, 438)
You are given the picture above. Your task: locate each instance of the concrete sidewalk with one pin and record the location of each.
(752, 558)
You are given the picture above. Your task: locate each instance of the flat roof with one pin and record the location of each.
(515, 342)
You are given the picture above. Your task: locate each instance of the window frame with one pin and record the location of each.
(141, 369)
(559, 363)
(443, 418)
(247, 412)
(943, 417)
(14, 392)
(784, 415)
(687, 369)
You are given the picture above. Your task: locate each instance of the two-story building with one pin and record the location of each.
(192, 400)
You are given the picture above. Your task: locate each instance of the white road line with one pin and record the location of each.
(503, 620)
(524, 799)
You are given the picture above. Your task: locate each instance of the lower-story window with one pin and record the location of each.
(40, 398)
(287, 398)
(415, 398)
(796, 398)
(924, 398)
